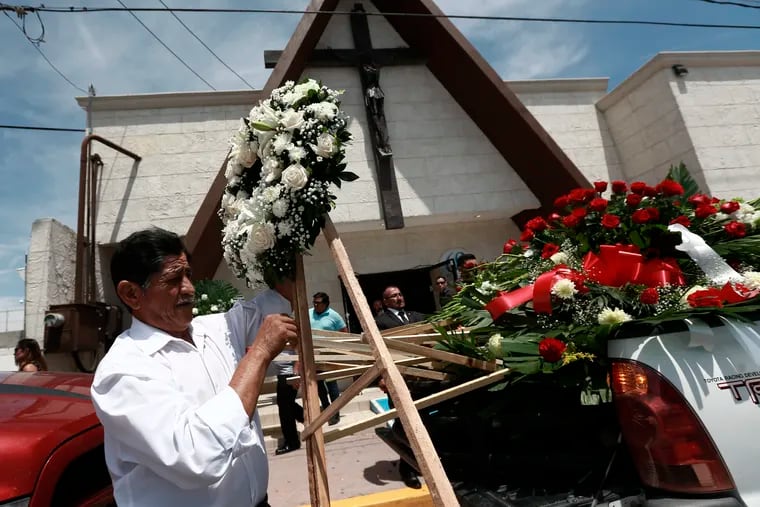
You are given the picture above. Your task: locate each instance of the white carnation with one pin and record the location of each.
(285, 228)
(271, 194)
(295, 177)
(281, 141)
(296, 153)
(325, 146)
(487, 287)
(233, 169)
(564, 289)
(616, 316)
(323, 111)
(280, 208)
(752, 279)
(271, 169)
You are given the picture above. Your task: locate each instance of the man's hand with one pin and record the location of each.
(276, 332)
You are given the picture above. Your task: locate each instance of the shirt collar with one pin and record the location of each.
(151, 339)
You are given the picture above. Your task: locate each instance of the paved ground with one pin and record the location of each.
(358, 464)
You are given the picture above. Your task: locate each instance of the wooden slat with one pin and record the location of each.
(315, 446)
(358, 370)
(411, 371)
(347, 395)
(441, 490)
(441, 355)
(425, 402)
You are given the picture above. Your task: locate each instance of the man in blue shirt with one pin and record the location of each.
(325, 318)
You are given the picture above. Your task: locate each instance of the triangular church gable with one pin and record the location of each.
(454, 62)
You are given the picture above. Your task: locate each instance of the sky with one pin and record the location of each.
(115, 54)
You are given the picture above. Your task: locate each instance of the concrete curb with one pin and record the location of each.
(405, 497)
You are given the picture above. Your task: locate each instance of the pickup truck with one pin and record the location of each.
(673, 424)
(51, 442)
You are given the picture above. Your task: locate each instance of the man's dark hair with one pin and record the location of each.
(325, 298)
(142, 253)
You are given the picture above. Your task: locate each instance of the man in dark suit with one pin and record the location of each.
(394, 314)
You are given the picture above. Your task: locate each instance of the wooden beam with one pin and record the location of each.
(441, 490)
(441, 355)
(347, 395)
(383, 57)
(315, 445)
(411, 371)
(425, 402)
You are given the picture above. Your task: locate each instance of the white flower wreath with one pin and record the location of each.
(284, 158)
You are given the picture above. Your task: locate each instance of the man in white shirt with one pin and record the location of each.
(176, 395)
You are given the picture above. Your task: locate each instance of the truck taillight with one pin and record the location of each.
(669, 445)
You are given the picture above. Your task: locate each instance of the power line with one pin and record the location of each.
(728, 2)
(388, 14)
(36, 45)
(164, 45)
(50, 129)
(205, 46)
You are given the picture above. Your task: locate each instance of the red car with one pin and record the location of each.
(51, 442)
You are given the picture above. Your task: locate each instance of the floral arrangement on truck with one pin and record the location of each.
(609, 255)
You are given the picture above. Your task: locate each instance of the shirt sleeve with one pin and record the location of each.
(158, 427)
(243, 321)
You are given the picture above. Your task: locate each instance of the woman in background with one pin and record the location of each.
(28, 356)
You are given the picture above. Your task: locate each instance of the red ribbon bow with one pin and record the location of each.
(540, 292)
(617, 265)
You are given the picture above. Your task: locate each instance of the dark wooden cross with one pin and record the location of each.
(369, 61)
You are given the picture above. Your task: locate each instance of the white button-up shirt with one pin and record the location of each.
(175, 432)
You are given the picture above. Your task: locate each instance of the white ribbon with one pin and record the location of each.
(716, 269)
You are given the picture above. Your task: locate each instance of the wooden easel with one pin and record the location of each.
(438, 484)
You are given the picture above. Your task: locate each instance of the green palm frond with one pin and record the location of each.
(745, 249)
(681, 175)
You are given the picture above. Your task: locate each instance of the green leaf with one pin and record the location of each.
(680, 174)
(348, 176)
(261, 126)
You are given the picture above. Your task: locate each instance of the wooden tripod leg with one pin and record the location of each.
(435, 476)
(315, 444)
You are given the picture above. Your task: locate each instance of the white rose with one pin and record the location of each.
(204, 297)
(494, 344)
(325, 146)
(616, 316)
(195, 311)
(560, 258)
(291, 119)
(295, 177)
(280, 208)
(261, 238)
(214, 308)
(304, 88)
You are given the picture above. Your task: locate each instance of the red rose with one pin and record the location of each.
(579, 212)
(571, 221)
(670, 188)
(640, 216)
(650, 191)
(654, 213)
(735, 229)
(729, 207)
(551, 349)
(637, 187)
(549, 250)
(683, 220)
(598, 204)
(561, 202)
(537, 224)
(619, 187)
(610, 221)
(697, 200)
(578, 196)
(509, 246)
(707, 297)
(600, 186)
(705, 210)
(633, 200)
(649, 296)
